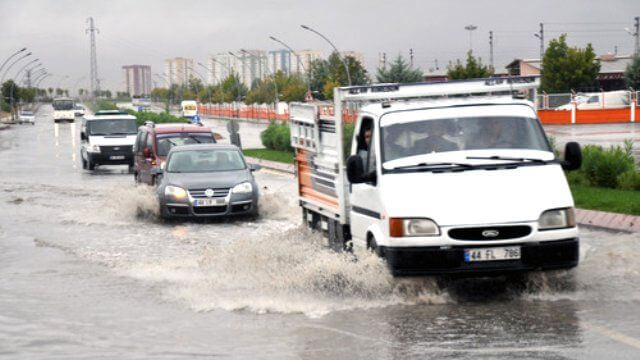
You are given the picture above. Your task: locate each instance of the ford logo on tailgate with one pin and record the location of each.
(490, 233)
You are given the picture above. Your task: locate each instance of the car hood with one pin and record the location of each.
(220, 179)
(477, 196)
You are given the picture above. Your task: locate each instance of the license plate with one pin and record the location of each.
(492, 254)
(116, 157)
(208, 202)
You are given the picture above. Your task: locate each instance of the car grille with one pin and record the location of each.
(124, 149)
(218, 192)
(483, 233)
(203, 210)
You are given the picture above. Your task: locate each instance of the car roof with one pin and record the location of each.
(178, 128)
(193, 147)
(111, 117)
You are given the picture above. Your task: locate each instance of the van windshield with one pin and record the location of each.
(205, 161)
(62, 104)
(165, 142)
(458, 134)
(112, 127)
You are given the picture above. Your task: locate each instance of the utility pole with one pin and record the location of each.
(384, 60)
(411, 57)
(491, 48)
(95, 82)
(637, 35)
(470, 29)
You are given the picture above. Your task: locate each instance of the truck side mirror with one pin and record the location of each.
(83, 136)
(355, 169)
(572, 157)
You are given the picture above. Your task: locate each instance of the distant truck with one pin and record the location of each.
(63, 110)
(189, 109)
(437, 181)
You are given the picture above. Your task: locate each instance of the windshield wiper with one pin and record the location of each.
(504, 158)
(440, 165)
(196, 140)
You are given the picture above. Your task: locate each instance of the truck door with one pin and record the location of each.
(365, 198)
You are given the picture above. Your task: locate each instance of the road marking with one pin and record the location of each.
(614, 335)
(348, 333)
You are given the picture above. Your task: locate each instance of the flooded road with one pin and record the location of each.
(88, 271)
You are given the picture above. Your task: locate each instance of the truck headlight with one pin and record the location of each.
(413, 227)
(243, 188)
(175, 193)
(557, 219)
(93, 148)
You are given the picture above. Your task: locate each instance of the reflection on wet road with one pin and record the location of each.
(89, 271)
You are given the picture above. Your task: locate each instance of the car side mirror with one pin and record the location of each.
(157, 171)
(83, 136)
(146, 153)
(355, 169)
(254, 167)
(572, 157)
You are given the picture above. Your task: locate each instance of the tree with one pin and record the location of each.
(324, 75)
(632, 73)
(50, 91)
(10, 95)
(399, 72)
(318, 76)
(473, 69)
(567, 68)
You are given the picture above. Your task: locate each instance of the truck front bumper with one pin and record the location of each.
(547, 255)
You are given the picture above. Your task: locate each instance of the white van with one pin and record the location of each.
(108, 140)
(600, 100)
(189, 108)
(439, 185)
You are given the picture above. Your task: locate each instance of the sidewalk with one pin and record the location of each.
(600, 219)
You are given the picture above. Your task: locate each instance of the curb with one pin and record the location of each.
(247, 120)
(272, 165)
(608, 220)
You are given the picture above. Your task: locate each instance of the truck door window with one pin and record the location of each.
(365, 144)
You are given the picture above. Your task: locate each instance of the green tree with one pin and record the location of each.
(318, 76)
(231, 89)
(10, 95)
(27, 94)
(324, 75)
(399, 72)
(473, 69)
(632, 73)
(567, 68)
(50, 91)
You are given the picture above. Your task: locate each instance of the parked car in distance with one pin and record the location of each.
(27, 117)
(107, 140)
(78, 110)
(206, 180)
(154, 142)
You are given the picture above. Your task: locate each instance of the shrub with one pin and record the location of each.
(629, 180)
(577, 178)
(277, 137)
(158, 118)
(603, 167)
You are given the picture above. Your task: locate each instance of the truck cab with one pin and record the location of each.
(108, 140)
(436, 185)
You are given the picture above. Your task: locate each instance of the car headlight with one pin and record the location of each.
(557, 219)
(243, 188)
(413, 227)
(175, 193)
(93, 148)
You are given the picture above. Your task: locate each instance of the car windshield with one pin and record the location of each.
(62, 104)
(457, 134)
(27, 113)
(112, 127)
(166, 141)
(196, 161)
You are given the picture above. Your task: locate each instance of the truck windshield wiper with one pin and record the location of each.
(440, 165)
(495, 157)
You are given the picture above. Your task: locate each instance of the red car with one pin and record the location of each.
(154, 142)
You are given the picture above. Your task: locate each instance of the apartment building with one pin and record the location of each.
(137, 79)
(178, 70)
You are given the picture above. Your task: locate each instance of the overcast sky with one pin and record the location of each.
(147, 32)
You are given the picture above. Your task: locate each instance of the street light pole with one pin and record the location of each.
(42, 79)
(11, 65)
(24, 67)
(470, 28)
(346, 67)
(10, 57)
(30, 71)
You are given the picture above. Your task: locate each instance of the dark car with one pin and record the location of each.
(154, 142)
(206, 181)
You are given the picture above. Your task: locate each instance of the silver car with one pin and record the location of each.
(27, 117)
(206, 180)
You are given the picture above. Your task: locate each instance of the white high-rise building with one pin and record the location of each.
(280, 60)
(178, 70)
(221, 66)
(302, 59)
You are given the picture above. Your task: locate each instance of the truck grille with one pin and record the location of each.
(485, 233)
(120, 149)
(217, 192)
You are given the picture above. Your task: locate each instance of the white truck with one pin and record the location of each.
(189, 108)
(442, 178)
(63, 110)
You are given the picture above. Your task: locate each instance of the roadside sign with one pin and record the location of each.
(233, 127)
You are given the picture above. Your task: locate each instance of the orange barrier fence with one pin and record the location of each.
(261, 113)
(598, 116)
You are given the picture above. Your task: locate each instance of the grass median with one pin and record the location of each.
(604, 199)
(271, 155)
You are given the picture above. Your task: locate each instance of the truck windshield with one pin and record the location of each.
(205, 161)
(112, 127)
(458, 134)
(166, 141)
(62, 104)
